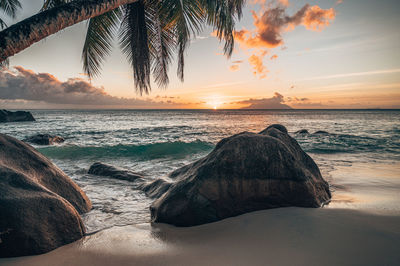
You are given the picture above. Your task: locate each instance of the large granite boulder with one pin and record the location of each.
(245, 172)
(39, 204)
(18, 116)
(44, 139)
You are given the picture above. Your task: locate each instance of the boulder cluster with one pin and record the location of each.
(245, 172)
(40, 206)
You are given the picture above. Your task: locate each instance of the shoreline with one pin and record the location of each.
(283, 236)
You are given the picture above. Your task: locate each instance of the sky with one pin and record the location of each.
(288, 54)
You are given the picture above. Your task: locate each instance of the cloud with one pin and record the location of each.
(25, 85)
(275, 102)
(234, 68)
(256, 61)
(271, 23)
(274, 21)
(278, 101)
(316, 18)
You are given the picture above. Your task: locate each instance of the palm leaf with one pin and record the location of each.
(161, 43)
(99, 40)
(4, 64)
(2, 24)
(221, 14)
(10, 7)
(53, 3)
(134, 44)
(186, 17)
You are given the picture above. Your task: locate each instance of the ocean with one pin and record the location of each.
(360, 157)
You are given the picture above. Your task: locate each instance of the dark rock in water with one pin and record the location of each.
(39, 204)
(277, 126)
(302, 131)
(321, 132)
(44, 139)
(155, 188)
(18, 116)
(245, 172)
(103, 169)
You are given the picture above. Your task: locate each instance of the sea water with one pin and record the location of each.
(359, 157)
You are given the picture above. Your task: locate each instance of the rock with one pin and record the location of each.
(39, 204)
(103, 169)
(320, 132)
(152, 188)
(302, 131)
(245, 172)
(155, 188)
(18, 116)
(277, 126)
(44, 139)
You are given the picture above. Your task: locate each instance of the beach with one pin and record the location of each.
(285, 236)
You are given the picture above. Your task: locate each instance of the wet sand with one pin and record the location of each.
(285, 236)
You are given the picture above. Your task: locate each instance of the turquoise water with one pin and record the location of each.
(360, 156)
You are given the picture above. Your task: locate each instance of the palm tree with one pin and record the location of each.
(150, 32)
(9, 7)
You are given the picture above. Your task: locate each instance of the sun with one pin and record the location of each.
(214, 102)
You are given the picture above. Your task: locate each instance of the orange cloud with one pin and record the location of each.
(270, 25)
(284, 2)
(256, 61)
(234, 68)
(316, 18)
(274, 21)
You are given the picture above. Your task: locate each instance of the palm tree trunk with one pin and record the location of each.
(31, 30)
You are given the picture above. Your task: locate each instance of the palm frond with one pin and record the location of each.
(2, 24)
(134, 44)
(10, 8)
(99, 40)
(221, 14)
(161, 43)
(53, 3)
(186, 17)
(4, 64)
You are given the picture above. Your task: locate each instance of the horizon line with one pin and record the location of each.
(198, 109)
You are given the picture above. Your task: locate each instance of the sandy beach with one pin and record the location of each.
(285, 236)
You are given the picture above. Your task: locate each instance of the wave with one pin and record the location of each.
(346, 143)
(176, 149)
(313, 143)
